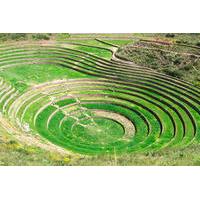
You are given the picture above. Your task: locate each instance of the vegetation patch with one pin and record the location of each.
(174, 59)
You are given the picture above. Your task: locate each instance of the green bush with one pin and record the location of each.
(3, 36)
(198, 44)
(40, 36)
(177, 61)
(181, 41)
(172, 72)
(170, 35)
(17, 36)
(13, 36)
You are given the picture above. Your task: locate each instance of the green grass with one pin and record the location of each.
(96, 51)
(99, 130)
(119, 42)
(23, 76)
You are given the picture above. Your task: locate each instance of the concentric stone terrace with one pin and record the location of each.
(119, 107)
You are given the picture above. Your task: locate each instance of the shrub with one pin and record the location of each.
(170, 35)
(13, 36)
(17, 36)
(40, 36)
(3, 36)
(177, 61)
(171, 72)
(181, 41)
(186, 67)
(198, 44)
